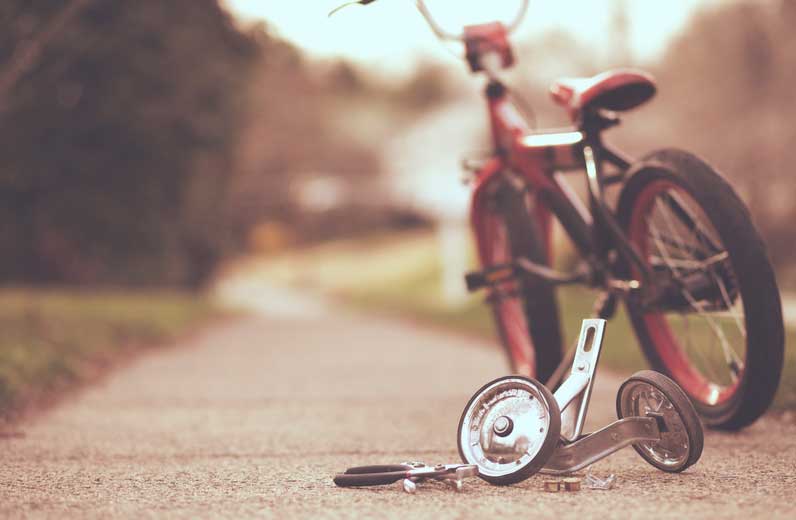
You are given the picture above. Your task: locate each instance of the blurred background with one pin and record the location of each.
(152, 150)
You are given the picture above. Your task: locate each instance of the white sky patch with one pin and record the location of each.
(391, 34)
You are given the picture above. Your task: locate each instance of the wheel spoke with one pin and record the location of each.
(685, 214)
(730, 356)
(671, 243)
(682, 257)
(704, 363)
(726, 299)
(686, 263)
(667, 218)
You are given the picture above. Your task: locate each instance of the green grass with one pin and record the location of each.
(401, 275)
(51, 340)
(418, 296)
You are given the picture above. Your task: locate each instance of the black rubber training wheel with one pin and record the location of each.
(719, 334)
(649, 392)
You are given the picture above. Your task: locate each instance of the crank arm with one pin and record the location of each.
(587, 450)
(520, 268)
(551, 275)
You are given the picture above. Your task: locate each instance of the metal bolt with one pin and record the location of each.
(503, 426)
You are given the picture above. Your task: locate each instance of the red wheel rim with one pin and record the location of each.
(666, 344)
(496, 250)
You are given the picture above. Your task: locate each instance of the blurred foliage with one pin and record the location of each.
(50, 340)
(116, 146)
(312, 121)
(147, 138)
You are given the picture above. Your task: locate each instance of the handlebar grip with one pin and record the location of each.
(369, 479)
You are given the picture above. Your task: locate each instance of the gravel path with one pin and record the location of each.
(253, 417)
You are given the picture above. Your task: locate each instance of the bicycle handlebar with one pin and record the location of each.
(513, 26)
(442, 34)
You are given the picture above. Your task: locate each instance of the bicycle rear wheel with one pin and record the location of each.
(525, 311)
(717, 329)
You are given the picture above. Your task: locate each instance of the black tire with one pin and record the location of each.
(539, 300)
(748, 270)
(685, 412)
(548, 446)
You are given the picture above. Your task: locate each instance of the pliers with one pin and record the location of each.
(410, 472)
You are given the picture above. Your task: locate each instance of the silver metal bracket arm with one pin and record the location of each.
(574, 394)
(569, 458)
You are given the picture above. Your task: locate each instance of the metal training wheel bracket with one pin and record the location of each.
(514, 427)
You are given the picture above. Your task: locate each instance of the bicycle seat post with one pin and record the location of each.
(492, 64)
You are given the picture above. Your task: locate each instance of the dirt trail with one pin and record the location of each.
(253, 417)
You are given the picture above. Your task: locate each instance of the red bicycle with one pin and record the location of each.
(679, 247)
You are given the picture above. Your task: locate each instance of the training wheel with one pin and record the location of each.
(652, 394)
(509, 429)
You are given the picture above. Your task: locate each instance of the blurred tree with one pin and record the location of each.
(141, 140)
(427, 86)
(25, 55)
(146, 138)
(115, 145)
(621, 52)
(344, 78)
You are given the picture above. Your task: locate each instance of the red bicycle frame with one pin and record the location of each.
(534, 162)
(532, 156)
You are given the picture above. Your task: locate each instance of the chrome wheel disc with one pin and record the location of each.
(642, 399)
(505, 427)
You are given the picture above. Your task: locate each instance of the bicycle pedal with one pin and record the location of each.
(490, 277)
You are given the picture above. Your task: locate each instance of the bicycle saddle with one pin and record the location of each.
(615, 90)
